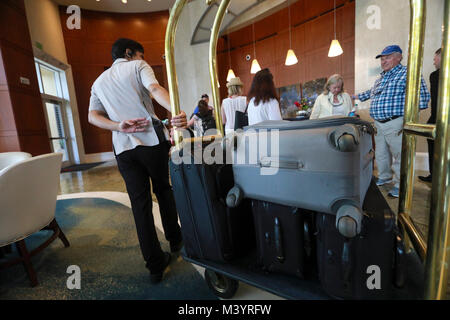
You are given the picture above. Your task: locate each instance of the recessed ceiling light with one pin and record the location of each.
(124, 1)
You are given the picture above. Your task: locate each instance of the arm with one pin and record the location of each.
(424, 95)
(190, 123)
(224, 117)
(274, 111)
(100, 119)
(316, 109)
(159, 93)
(364, 95)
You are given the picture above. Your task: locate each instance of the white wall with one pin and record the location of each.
(191, 61)
(394, 29)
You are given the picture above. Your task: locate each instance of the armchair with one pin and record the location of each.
(28, 191)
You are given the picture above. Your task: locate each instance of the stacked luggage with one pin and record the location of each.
(309, 206)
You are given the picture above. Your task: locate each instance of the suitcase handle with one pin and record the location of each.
(347, 262)
(275, 162)
(368, 158)
(278, 240)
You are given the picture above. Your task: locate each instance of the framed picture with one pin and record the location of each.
(312, 89)
(288, 96)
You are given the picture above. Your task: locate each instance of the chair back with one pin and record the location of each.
(28, 192)
(9, 158)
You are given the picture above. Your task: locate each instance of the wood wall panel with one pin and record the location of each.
(20, 63)
(9, 142)
(7, 122)
(22, 122)
(29, 114)
(312, 32)
(89, 52)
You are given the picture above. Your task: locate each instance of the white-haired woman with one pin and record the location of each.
(333, 101)
(235, 101)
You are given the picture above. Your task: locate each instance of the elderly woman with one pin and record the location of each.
(333, 101)
(235, 101)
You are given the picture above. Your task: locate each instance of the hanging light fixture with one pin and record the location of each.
(335, 47)
(230, 71)
(255, 65)
(291, 58)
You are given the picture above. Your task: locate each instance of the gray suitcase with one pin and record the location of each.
(322, 165)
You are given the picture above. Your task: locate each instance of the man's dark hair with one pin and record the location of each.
(205, 96)
(263, 88)
(438, 51)
(120, 47)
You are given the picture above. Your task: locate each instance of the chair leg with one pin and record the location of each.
(55, 226)
(22, 248)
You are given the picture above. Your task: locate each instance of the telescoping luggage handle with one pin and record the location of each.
(275, 162)
(311, 124)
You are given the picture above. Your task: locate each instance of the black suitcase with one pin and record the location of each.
(210, 229)
(280, 238)
(361, 267)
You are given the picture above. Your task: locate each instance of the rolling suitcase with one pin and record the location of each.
(280, 244)
(210, 229)
(361, 267)
(318, 165)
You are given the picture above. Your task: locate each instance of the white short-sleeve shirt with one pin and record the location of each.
(264, 111)
(122, 92)
(230, 105)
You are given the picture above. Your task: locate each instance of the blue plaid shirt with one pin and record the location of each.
(388, 94)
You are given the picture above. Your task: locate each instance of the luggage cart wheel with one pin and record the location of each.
(222, 286)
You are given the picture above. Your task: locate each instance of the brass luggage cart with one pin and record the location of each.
(427, 281)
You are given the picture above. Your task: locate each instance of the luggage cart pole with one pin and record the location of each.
(437, 263)
(213, 62)
(175, 13)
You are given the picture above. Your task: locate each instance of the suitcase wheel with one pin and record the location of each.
(222, 286)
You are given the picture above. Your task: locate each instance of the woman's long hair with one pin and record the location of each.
(263, 88)
(203, 109)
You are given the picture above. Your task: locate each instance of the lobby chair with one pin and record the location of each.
(9, 158)
(28, 192)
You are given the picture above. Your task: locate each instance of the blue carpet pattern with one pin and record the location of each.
(104, 245)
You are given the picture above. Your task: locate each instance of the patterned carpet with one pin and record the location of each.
(104, 245)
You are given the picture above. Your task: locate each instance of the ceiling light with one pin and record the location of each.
(124, 1)
(230, 72)
(255, 65)
(291, 58)
(230, 75)
(335, 47)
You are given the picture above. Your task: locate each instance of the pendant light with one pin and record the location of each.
(335, 47)
(291, 58)
(230, 71)
(255, 65)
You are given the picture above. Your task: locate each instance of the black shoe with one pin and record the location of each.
(156, 277)
(425, 179)
(176, 246)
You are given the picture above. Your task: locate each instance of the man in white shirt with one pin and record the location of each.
(121, 102)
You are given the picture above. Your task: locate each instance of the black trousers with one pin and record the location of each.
(136, 167)
(430, 154)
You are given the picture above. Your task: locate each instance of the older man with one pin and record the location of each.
(387, 109)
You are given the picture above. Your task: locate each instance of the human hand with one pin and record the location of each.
(133, 125)
(179, 121)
